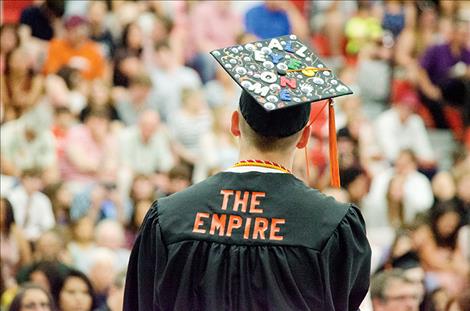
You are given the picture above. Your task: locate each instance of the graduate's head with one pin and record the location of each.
(270, 131)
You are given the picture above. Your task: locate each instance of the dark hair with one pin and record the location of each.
(162, 44)
(73, 273)
(68, 74)
(180, 171)
(54, 272)
(166, 21)
(125, 37)
(56, 7)
(16, 303)
(350, 174)
(32, 172)
(437, 212)
(9, 215)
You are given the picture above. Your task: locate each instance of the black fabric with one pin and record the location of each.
(277, 123)
(36, 18)
(308, 252)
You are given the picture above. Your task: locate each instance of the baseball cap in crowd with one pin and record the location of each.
(74, 21)
(407, 98)
(281, 77)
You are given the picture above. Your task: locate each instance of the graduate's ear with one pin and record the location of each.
(304, 137)
(235, 127)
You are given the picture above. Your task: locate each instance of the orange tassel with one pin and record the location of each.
(334, 166)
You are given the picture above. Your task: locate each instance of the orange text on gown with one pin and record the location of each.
(251, 224)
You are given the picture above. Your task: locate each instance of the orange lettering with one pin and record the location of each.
(261, 225)
(226, 194)
(255, 202)
(234, 222)
(275, 229)
(239, 201)
(198, 222)
(218, 223)
(246, 233)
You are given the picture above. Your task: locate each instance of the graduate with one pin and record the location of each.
(255, 237)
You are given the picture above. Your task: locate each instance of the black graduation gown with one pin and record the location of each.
(249, 241)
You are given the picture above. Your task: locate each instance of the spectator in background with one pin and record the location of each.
(443, 66)
(88, 147)
(21, 88)
(99, 32)
(32, 208)
(128, 55)
(392, 291)
(43, 19)
(64, 120)
(110, 234)
(207, 34)
(398, 194)
(82, 245)
(28, 143)
(50, 247)
(356, 182)
(142, 195)
(115, 299)
(398, 16)
(102, 199)
(413, 41)
(102, 272)
(76, 50)
(400, 128)
(219, 148)
(362, 29)
(463, 196)
(47, 274)
(136, 100)
(222, 91)
(443, 187)
(9, 41)
(440, 251)
(100, 99)
(179, 179)
(169, 78)
(32, 297)
(145, 147)
(189, 124)
(275, 18)
(76, 293)
(15, 251)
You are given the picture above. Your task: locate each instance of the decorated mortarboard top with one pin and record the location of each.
(281, 72)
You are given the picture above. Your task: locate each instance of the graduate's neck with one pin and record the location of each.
(285, 158)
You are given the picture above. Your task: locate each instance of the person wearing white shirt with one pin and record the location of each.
(32, 208)
(410, 188)
(145, 148)
(400, 128)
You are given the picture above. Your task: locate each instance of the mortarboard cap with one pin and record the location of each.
(280, 78)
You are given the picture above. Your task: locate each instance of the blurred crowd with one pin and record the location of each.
(109, 105)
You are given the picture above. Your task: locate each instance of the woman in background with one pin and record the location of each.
(76, 293)
(15, 250)
(32, 297)
(440, 252)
